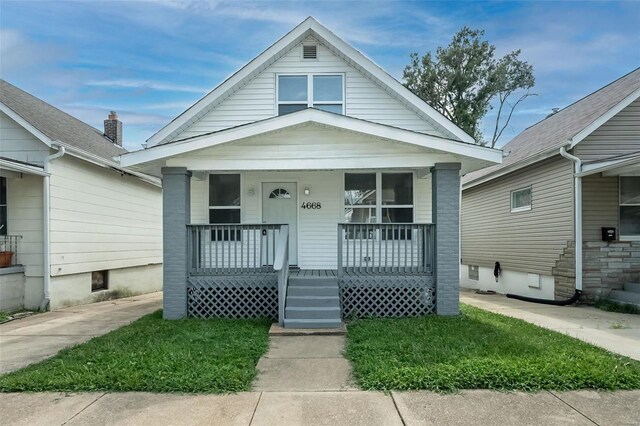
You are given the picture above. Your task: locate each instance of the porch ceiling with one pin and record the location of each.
(312, 140)
(626, 165)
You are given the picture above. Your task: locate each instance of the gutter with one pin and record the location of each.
(577, 193)
(46, 275)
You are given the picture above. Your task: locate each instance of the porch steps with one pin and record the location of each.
(312, 302)
(630, 294)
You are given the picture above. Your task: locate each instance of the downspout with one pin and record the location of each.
(577, 193)
(46, 273)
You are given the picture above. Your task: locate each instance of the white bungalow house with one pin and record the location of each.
(74, 224)
(310, 186)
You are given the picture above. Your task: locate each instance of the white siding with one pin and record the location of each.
(317, 229)
(18, 144)
(101, 219)
(618, 136)
(256, 100)
(24, 217)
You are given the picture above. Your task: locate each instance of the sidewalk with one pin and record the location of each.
(323, 408)
(616, 332)
(31, 339)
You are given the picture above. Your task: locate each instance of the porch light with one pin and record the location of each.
(307, 191)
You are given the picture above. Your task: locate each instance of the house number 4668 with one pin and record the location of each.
(311, 205)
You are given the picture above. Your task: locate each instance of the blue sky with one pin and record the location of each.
(149, 61)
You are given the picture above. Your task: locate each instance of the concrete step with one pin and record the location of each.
(625, 297)
(313, 281)
(313, 313)
(312, 323)
(313, 301)
(321, 290)
(632, 287)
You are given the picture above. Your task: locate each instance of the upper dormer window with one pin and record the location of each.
(300, 91)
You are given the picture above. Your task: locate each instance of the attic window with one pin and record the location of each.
(309, 51)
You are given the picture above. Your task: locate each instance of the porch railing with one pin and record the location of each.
(227, 249)
(9, 250)
(281, 266)
(385, 248)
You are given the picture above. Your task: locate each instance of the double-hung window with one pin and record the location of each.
(630, 206)
(379, 198)
(299, 91)
(224, 203)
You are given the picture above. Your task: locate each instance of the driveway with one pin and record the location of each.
(31, 339)
(619, 333)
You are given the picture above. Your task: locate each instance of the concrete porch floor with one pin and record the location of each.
(615, 332)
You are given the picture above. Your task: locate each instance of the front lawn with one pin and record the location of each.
(479, 350)
(154, 355)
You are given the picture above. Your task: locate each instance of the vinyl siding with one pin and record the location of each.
(257, 101)
(18, 144)
(101, 219)
(317, 229)
(599, 205)
(618, 136)
(528, 241)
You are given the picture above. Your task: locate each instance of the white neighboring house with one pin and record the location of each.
(78, 224)
(313, 144)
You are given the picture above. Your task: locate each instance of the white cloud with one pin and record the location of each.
(146, 84)
(19, 53)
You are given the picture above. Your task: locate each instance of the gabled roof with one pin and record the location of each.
(49, 124)
(338, 46)
(567, 127)
(315, 116)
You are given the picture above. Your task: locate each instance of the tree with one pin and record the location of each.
(465, 80)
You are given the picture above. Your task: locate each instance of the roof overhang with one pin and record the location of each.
(27, 126)
(15, 169)
(442, 145)
(628, 165)
(355, 58)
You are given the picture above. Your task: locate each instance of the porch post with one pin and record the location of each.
(176, 214)
(446, 216)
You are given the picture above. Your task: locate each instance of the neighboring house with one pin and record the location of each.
(76, 221)
(564, 179)
(314, 144)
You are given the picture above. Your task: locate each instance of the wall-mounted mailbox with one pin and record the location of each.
(608, 233)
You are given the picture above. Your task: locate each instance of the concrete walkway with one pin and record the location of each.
(351, 408)
(304, 363)
(619, 333)
(31, 339)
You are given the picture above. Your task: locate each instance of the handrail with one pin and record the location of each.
(281, 266)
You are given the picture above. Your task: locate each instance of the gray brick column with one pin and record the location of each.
(446, 216)
(176, 212)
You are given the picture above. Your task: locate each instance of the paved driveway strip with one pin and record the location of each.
(31, 339)
(615, 332)
(351, 408)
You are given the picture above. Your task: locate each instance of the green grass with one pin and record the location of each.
(154, 355)
(624, 308)
(479, 350)
(3, 316)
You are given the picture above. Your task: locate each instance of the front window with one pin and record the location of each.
(224, 202)
(3, 206)
(521, 200)
(630, 206)
(378, 197)
(298, 92)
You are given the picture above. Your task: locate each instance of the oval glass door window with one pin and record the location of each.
(280, 193)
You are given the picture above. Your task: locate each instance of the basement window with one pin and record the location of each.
(99, 280)
(521, 200)
(474, 272)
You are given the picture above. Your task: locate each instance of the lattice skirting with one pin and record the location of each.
(251, 296)
(387, 296)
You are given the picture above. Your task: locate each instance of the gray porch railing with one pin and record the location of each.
(385, 248)
(9, 249)
(281, 266)
(232, 249)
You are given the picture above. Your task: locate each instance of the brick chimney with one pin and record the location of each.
(113, 128)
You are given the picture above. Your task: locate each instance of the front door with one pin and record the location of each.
(280, 205)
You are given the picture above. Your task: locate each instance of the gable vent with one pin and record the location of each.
(309, 51)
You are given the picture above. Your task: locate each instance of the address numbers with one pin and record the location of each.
(311, 205)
